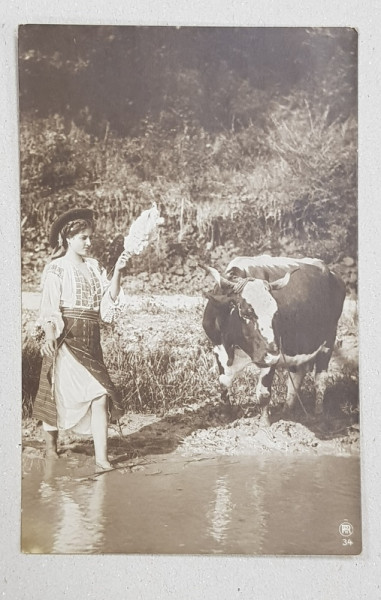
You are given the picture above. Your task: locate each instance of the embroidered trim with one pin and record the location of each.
(87, 293)
(56, 270)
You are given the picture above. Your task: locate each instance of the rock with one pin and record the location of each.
(348, 261)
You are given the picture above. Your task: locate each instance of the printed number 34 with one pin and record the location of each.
(347, 542)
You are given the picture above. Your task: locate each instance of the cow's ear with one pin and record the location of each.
(221, 299)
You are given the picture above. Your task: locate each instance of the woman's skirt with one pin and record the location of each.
(75, 377)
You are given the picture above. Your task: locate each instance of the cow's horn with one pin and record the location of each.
(213, 272)
(282, 282)
(216, 275)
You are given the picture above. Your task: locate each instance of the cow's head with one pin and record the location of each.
(251, 324)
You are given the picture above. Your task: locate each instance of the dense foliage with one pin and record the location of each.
(246, 139)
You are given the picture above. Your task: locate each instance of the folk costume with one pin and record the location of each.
(74, 303)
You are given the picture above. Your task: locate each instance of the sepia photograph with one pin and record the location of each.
(189, 266)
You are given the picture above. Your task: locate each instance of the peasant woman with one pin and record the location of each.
(75, 391)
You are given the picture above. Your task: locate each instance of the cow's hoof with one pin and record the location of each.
(264, 422)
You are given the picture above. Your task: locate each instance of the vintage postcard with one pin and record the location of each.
(189, 290)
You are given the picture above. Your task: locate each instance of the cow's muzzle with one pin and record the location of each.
(271, 359)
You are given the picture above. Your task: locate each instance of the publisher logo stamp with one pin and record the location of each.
(346, 529)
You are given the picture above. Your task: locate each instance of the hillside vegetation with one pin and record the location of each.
(245, 138)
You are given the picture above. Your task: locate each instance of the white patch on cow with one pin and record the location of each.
(274, 262)
(316, 262)
(241, 360)
(320, 387)
(257, 294)
(270, 262)
(222, 355)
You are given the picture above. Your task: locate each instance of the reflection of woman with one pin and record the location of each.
(76, 516)
(75, 387)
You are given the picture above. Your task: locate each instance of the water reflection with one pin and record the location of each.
(76, 510)
(220, 511)
(260, 515)
(256, 505)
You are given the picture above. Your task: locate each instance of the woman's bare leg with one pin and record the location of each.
(99, 423)
(51, 438)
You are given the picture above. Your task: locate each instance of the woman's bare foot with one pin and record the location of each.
(104, 465)
(51, 454)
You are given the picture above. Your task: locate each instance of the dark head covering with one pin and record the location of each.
(71, 215)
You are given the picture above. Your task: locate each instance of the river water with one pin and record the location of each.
(170, 504)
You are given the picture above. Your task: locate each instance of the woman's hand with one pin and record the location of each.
(115, 281)
(49, 347)
(121, 263)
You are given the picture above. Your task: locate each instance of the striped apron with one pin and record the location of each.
(81, 335)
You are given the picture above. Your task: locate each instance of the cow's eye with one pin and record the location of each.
(249, 315)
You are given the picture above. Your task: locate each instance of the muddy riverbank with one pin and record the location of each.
(208, 430)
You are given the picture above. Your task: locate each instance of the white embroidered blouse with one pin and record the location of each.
(65, 286)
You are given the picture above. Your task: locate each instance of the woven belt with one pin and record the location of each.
(80, 313)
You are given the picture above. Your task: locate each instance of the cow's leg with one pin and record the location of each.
(224, 389)
(294, 383)
(321, 378)
(263, 393)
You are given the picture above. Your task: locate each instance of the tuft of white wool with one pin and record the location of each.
(143, 230)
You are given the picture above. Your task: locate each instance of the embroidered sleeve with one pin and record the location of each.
(52, 278)
(109, 308)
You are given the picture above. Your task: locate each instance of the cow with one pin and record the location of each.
(275, 312)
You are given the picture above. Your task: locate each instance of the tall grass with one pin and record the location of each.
(31, 363)
(157, 380)
(160, 359)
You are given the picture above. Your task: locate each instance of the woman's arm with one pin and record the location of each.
(50, 317)
(50, 345)
(115, 281)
